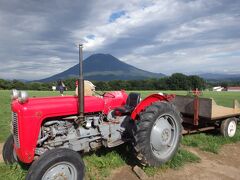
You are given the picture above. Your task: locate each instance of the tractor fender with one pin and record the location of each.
(148, 101)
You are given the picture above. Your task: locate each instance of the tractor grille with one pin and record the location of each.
(15, 129)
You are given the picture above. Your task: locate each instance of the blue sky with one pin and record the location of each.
(39, 38)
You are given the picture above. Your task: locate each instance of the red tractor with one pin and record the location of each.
(49, 132)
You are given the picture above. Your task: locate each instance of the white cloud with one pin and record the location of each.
(159, 36)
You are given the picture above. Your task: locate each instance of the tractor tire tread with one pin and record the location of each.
(49, 158)
(7, 151)
(143, 127)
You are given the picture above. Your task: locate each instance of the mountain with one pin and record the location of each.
(104, 67)
(220, 77)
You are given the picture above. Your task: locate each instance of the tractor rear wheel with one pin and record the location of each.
(59, 163)
(157, 134)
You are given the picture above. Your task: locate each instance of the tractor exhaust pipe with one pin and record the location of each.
(81, 85)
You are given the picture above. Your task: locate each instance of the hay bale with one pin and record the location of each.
(89, 88)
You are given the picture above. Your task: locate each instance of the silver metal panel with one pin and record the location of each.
(15, 129)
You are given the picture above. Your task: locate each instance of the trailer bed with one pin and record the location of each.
(205, 108)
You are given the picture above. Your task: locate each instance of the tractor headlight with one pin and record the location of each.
(14, 94)
(23, 97)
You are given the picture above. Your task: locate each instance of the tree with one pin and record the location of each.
(196, 82)
(18, 85)
(224, 84)
(4, 84)
(178, 81)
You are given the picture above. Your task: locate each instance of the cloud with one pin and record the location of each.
(39, 38)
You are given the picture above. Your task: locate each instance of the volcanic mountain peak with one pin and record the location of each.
(105, 67)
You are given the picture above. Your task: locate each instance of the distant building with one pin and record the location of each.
(54, 88)
(218, 88)
(236, 88)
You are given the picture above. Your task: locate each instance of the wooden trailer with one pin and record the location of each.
(204, 114)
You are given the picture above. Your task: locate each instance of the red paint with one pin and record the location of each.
(114, 99)
(196, 111)
(36, 110)
(196, 92)
(148, 101)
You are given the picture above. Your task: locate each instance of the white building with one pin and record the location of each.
(218, 88)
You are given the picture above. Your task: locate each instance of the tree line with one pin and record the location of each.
(176, 81)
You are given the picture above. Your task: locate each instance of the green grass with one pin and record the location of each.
(5, 115)
(146, 93)
(13, 172)
(182, 157)
(100, 164)
(223, 98)
(209, 142)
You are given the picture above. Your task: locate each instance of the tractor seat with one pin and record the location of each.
(132, 101)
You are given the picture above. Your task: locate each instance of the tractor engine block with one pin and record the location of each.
(94, 132)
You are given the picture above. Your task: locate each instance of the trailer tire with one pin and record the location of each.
(229, 127)
(157, 133)
(8, 154)
(57, 163)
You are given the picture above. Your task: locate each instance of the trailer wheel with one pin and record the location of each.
(59, 163)
(228, 127)
(9, 155)
(157, 134)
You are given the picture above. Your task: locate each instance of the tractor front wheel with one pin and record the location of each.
(59, 163)
(9, 155)
(157, 134)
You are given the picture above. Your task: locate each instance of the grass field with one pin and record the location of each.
(101, 163)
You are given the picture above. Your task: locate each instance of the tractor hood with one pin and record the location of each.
(56, 106)
(27, 117)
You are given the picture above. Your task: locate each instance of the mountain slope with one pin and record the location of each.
(212, 76)
(104, 67)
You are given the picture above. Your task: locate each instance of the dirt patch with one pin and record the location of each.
(225, 166)
(123, 173)
(1, 146)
